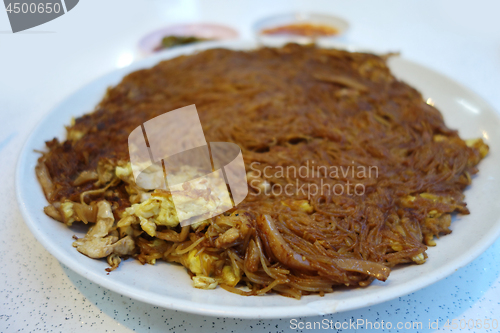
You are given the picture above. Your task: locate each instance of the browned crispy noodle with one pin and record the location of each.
(295, 106)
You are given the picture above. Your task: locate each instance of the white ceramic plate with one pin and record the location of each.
(169, 285)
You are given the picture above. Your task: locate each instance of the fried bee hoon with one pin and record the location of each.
(321, 112)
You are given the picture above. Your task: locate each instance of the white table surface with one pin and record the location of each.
(41, 66)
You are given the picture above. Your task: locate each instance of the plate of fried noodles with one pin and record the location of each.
(369, 177)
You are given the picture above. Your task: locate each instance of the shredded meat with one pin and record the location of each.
(98, 243)
(295, 107)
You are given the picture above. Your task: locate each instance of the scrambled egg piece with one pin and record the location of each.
(302, 205)
(159, 209)
(396, 246)
(408, 201)
(418, 259)
(148, 226)
(124, 173)
(193, 262)
(72, 133)
(198, 224)
(429, 240)
(479, 145)
(229, 277)
(439, 138)
(204, 282)
(202, 279)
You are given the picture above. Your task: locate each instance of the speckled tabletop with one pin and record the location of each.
(40, 67)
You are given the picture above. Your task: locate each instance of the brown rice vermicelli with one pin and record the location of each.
(372, 174)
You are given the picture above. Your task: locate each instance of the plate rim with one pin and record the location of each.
(227, 311)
